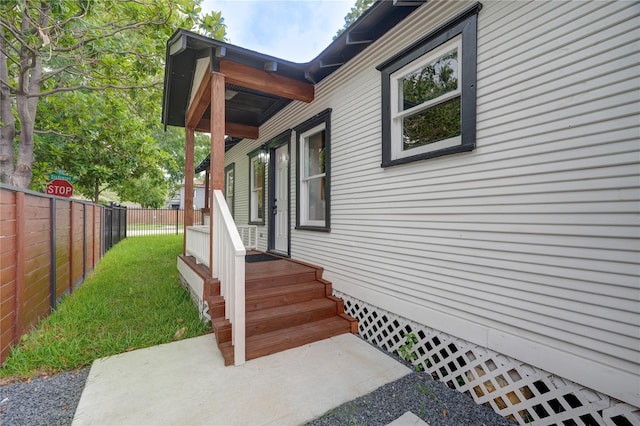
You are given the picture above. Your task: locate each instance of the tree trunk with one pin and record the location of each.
(7, 121)
(22, 174)
(96, 192)
(27, 97)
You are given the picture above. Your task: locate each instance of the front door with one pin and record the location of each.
(280, 200)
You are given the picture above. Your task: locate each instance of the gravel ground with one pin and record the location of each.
(53, 401)
(418, 393)
(43, 400)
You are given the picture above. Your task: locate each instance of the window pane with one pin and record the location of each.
(259, 203)
(258, 174)
(432, 125)
(315, 154)
(316, 199)
(433, 80)
(228, 190)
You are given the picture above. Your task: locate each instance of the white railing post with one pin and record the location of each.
(228, 267)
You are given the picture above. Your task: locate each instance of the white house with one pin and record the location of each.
(467, 174)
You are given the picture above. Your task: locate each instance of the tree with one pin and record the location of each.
(358, 9)
(75, 54)
(440, 121)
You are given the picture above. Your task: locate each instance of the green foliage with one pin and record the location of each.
(441, 121)
(133, 299)
(407, 352)
(358, 9)
(93, 71)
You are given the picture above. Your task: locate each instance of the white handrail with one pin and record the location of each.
(228, 267)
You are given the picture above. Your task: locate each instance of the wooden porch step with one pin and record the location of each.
(278, 273)
(288, 338)
(277, 318)
(269, 297)
(265, 298)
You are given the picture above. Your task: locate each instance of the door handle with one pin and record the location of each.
(275, 209)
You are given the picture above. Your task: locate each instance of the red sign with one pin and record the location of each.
(59, 187)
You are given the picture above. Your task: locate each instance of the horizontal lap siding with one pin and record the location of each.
(532, 235)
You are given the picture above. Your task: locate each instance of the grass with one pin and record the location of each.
(132, 300)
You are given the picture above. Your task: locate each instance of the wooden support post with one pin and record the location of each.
(216, 165)
(20, 265)
(188, 182)
(207, 185)
(71, 262)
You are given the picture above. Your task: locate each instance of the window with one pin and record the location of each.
(313, 171)
(230, 187)
(429, 95)
(256, 190)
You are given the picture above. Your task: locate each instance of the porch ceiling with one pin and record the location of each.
(257, 85)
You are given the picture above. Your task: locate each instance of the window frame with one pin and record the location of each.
(256, 220)
(463, 26)
(318, 123)
(230, 168)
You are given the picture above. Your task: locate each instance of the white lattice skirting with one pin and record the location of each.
(513, 389)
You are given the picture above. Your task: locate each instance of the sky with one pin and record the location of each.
(295, 30)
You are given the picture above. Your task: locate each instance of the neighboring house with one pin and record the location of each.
(198, 197)
(501, 245)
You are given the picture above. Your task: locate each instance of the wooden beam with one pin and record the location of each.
(217, 130)
(216, 163)
(188, 182)
(232, 129)
(200, 103)
(266, 82)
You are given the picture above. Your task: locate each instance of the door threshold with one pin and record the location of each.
(279, 253)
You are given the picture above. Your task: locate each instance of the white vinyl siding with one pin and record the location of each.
(528, 245)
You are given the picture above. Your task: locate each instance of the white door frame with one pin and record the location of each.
(279, 147)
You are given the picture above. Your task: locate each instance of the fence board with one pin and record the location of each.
(28, 234)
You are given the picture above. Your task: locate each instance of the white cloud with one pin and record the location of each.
(293, 30)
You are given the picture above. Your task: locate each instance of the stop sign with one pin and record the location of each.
(60, 187)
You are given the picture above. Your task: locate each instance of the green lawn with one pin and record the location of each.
(132, 300)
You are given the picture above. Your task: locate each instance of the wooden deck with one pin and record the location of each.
(288, 304)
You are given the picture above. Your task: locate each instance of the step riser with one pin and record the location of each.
(286, 321)
(222, 332)
(257, 348)
(222, 328)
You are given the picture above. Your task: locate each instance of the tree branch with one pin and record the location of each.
(55, 132)
(106, 86)
(118, 30)
(4, 23)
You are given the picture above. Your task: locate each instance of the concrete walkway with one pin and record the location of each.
(187, 383)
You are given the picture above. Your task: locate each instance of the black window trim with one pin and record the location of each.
(322, 117)
(466, 24)
(251, 156)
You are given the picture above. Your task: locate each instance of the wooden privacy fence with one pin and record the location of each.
(157, 221)
(48, 245)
